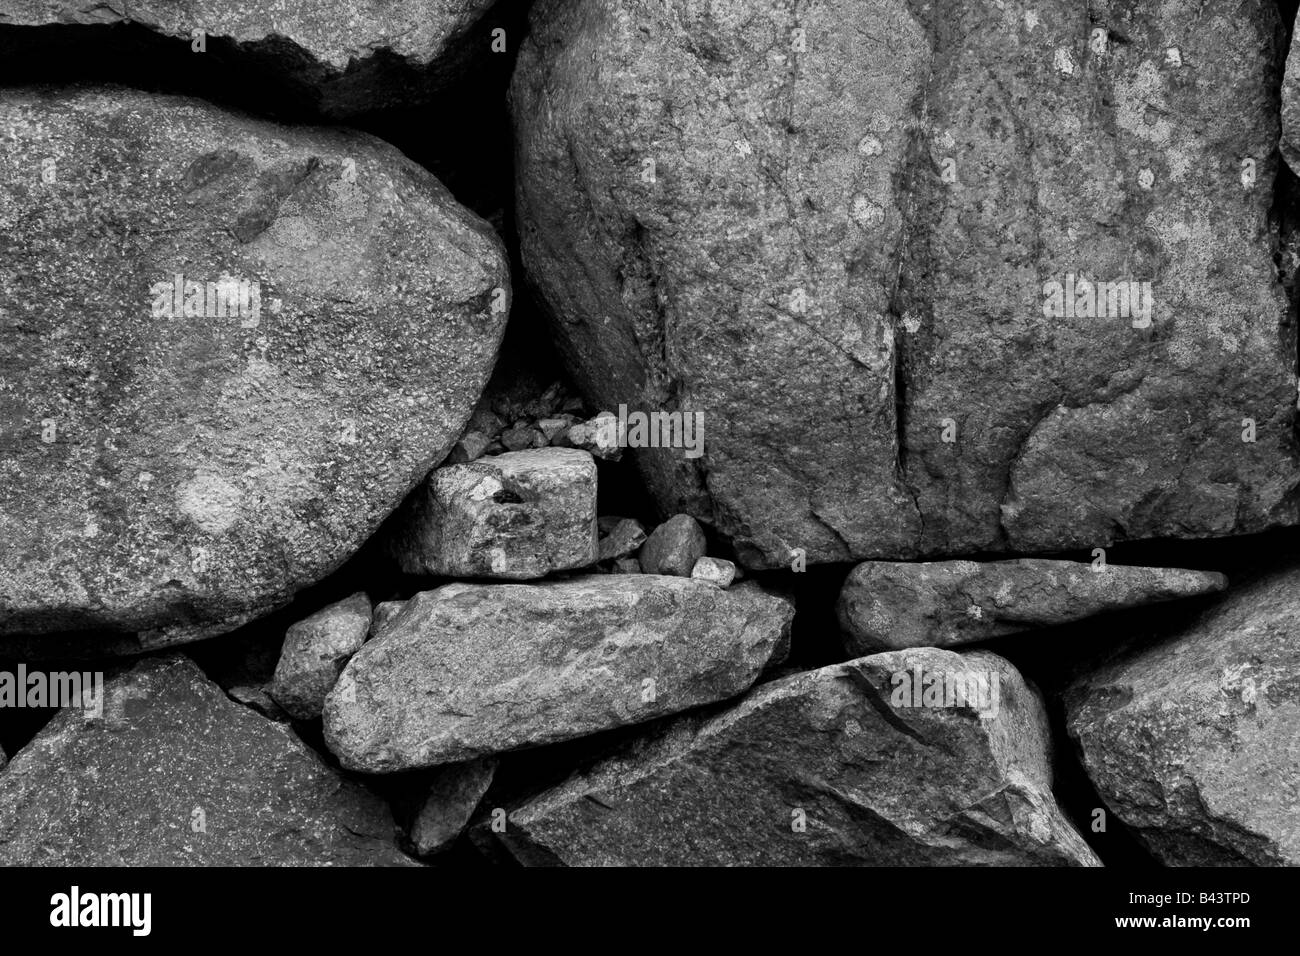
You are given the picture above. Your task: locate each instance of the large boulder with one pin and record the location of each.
(173, 773)
(887, 605)
(866, 242)
(177, 463)
(831, 767)
(1195, 742)
(340, 59)
(468, 670)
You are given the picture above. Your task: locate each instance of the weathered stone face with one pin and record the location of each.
(888, 605)
(179, 467)
(823, 768)
(847, 234)
(342, 58)
(175, 774)
(1195, 743)
(518, 516)
(468, 670)
(314, 652)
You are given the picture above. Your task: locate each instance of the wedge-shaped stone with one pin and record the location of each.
(339, 59)
(886, 605)
(836, 766)
(173, 773)
(468, 670)
(1195, 742)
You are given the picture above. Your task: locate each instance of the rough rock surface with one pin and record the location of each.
(175, 774)
(822, 769)
(717, 571)
(447, 809)
(314, 653)
(518, 516)
(887, 605)
(1195, 742)
(177, 476)
(341, 58)
(673, 547)
(834, 229)
(622, 540)
(1290, 143)
(467, 670)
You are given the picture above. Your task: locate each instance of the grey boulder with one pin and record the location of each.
(830, 767)
(314, 652)
(175, 774)
(176, 465)
(1194, 743)
(468, 670)
(888, 605)
(847, 234)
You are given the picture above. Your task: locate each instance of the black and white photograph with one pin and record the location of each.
(464, 437)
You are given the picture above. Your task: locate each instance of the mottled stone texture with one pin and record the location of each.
(885, 605)
(314, 652)
(518, 516)
(179, 475)
(1195, 742)
(176, 774)
(342, 58)
(468, 670)
(832, 229)
(821, 768)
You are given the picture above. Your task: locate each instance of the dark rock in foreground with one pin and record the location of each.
(824, 768)
(1195, 743)
(175, 774)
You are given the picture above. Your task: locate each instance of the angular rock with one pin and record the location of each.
(471, 445)
(627, 566)
(1195, 742)
(887, 605)
(515, 516)
(598, 436)
(717, 571)
(673, 547)
(446, 811)
(384, 612)
(847, 247)
(622, 540)
(1290, 144)
(823, 768)
(341, 60)
(468, 670)
(314, 653)
(176, 476)
(175, 774)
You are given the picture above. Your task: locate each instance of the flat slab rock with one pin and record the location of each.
(1195, 743)
(343, 58)
(822, 768)
(517, 516)
(176, 774)
(851, 248)
(886, 605)
(467, 670)
(177, 475)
